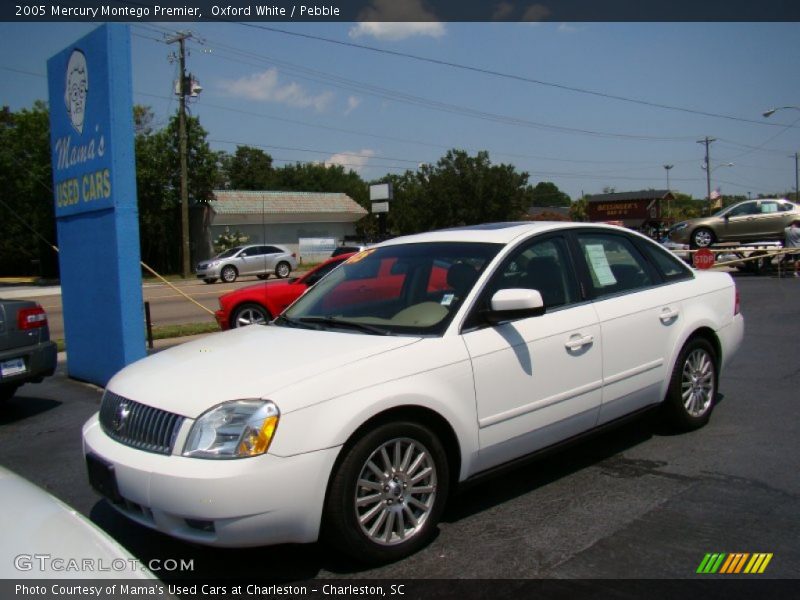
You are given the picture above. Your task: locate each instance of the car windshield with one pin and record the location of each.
(404, 289)
(228, 253)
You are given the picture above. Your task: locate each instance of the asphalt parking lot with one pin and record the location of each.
(635, 502)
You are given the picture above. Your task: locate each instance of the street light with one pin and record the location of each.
(704, 166)
(769, 113)
(669, 202)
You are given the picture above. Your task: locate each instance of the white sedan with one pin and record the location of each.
(420, 363)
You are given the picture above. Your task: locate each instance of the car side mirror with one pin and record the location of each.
(513, 304)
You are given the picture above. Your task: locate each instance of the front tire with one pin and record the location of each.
(229, 274)
(387, 493)
(692, 390)
(702, 238)
(249, 314)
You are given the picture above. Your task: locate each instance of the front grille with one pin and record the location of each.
(138, 425)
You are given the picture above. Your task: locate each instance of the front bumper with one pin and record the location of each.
(229, 503)
(208, 272)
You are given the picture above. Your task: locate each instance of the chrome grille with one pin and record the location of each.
(138, 425)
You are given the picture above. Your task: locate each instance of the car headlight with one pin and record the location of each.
(235, 429)
(213, 263)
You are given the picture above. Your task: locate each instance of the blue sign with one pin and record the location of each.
(94, 177)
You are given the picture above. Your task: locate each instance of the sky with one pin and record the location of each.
(587, 106)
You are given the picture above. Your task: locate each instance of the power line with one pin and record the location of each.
(503, 75)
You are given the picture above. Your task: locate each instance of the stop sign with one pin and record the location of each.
(704, 258)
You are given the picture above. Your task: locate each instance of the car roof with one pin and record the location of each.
(497, 233)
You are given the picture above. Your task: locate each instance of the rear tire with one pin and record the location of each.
(387, 493)
(692, 389)
(283, 270)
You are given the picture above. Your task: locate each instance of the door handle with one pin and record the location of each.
(668, 314)
(576, 342)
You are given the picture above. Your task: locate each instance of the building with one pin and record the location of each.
(645, 210)
(298, 220)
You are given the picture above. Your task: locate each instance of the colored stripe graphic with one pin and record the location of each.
(734, 563)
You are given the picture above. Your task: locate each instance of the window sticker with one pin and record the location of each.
(447, 299)
(596, 254)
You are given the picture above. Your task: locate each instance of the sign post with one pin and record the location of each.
(379, 195)
(94, 183)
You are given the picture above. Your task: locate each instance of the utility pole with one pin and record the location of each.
(669, 202)
(180, 38)
(707, 166)
(796, 179)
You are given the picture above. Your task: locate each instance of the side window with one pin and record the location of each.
(748, 208)
(320, 273)
(768, 208)
(671, 267)
(270, 250)
(615, 266)
(541, 266)
(785, 206)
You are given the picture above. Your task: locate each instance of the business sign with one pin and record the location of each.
(380, 207)
(381, 191)
(94, 185)
(316, 246)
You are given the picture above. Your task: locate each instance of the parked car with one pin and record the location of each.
(259, 304)
(26, 353)
(43, 538)
(258, 260)
(360, 409)
(747, 221)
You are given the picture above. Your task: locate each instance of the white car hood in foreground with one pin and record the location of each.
(43, 538)
(249, 362)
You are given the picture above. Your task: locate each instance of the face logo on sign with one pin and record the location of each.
(76, 89)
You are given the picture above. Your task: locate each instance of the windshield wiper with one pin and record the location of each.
(333, 321)
(292, 322)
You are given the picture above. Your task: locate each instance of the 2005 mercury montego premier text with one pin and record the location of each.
(418, 364)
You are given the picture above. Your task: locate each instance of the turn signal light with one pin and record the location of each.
(31, 318)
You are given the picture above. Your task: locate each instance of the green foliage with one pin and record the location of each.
(227, 240)
(578, 210)
(158, 184)
(546, 193)
(458, 190)
(27, 198)
(248, 169)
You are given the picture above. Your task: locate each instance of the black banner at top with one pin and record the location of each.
(300, 11)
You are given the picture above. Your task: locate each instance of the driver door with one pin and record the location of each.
(538, 380)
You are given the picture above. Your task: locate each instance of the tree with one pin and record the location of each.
(158, 186)
(546, 193)
(249, 169)
(27, 214)
(578, 210)
(459, 190)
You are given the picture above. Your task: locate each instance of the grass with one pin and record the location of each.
(166, 332)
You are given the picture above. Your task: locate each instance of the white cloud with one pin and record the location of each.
(536, 12)
(265, 87)
(351, 160)
(353, 103)
(393, 21)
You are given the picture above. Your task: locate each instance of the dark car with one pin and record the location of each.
(26, 353)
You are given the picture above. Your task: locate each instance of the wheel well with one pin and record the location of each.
(241, 305)
(708, 334)
(231, 266)
(417, 414)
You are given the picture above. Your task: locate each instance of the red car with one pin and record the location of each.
(260, 303)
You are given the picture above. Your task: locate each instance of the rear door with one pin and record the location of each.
(638, 319)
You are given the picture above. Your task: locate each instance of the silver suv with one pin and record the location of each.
(259, 260)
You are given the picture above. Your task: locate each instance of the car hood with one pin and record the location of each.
(249, 362)
(36, 523)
